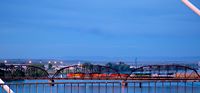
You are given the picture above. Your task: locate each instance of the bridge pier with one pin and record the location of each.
(51, 81)
(140, 84)
(124, 83)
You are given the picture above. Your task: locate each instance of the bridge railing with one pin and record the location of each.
(105, 87)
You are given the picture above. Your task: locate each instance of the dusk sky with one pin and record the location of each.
(110, 28)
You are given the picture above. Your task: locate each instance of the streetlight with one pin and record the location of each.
(61, 62)
(49, 62)
(30, 62)
(5, 61)
(55, 62)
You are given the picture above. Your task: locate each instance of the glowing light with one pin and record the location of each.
(61, 62)
(5, 61)
(29, 62)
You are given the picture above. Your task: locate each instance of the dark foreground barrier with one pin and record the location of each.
(103, 86)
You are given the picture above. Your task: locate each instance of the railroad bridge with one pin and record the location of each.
(99, 72)
(101, 79)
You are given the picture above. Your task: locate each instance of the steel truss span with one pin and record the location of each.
(99, 72)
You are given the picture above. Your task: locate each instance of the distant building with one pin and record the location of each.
(120, 63)
(199, 64)
(132, 66)
(46, 66)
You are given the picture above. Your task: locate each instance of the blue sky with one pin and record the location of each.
(110, 28)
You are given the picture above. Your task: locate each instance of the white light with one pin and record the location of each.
(30, 62)
(61, 62)
(55, 62)
(49, 62)
(5, 61)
